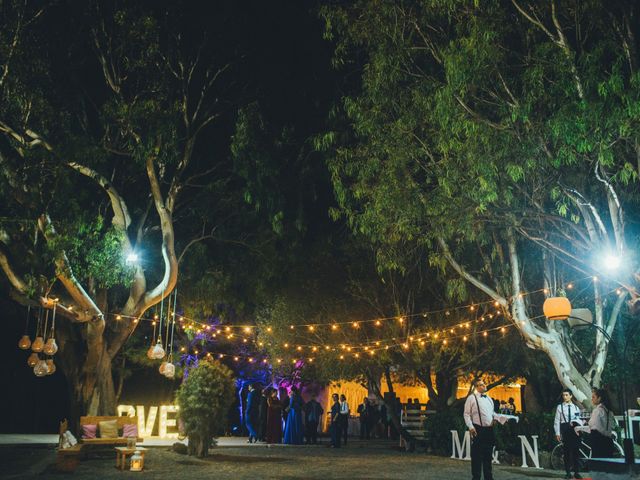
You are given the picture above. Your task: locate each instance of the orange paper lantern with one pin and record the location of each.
(557, 308)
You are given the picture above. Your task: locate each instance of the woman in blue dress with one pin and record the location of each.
(293, 434)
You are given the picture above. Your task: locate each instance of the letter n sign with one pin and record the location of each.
(533, 452)
(461, 452)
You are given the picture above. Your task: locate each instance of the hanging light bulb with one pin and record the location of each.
(24, 343)
(33, 360)
(51, 366)
(50, 348)
(163, 365)
(38, 344)
(158, 351)
(41, 369)
(170, 370)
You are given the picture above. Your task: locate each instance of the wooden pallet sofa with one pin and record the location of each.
(68, 459)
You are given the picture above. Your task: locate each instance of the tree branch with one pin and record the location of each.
(469, 277)
(64, 273)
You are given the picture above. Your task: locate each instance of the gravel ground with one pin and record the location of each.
(357, 461)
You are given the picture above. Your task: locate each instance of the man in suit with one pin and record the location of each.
(336, 424)
(313, 413)
(363, 412)
(251, 414)
(479, 418)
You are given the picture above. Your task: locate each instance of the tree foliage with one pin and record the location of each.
(503, 137)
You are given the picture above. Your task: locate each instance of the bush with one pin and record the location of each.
(438, 431)
(530, 424)
(204, 399)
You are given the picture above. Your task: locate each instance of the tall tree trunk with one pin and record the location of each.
(373, 385)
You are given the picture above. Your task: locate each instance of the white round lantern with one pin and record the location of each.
(163, 365)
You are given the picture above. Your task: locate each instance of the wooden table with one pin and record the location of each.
(122, 452)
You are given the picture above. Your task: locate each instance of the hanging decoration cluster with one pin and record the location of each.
(44, 345)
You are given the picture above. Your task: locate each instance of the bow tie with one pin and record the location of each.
(482, 395)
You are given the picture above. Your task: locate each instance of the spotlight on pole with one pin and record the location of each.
(132, 258)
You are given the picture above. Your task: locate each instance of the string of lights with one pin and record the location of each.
(336, 324)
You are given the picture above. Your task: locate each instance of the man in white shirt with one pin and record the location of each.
(479, 418)
(344, 418)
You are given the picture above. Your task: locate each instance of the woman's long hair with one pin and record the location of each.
(603, 395)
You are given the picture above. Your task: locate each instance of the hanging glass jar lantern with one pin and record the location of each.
(162, 368)
(158, 351)
(170, 370)
(41, 369)
(38, 344)
(50, 347)
(24, 343)
(51, 366)
(33, 360)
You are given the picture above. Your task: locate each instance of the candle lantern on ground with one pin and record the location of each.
(137, 462)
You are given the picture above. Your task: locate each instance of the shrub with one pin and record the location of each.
(438, 431)
(204, 399)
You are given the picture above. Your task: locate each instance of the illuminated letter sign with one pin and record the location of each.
(147, 424)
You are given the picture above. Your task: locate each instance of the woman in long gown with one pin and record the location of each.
(274, 418)
(293, 434)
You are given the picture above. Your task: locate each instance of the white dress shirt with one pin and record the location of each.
(566, 413)
(344, 408)
(483, 416)
(602, 420)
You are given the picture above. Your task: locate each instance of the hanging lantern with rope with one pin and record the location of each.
(41, 369)
(33, 359)
(50, 347)
(51, 366)
(25, 342)
(170, 368)
(158, 352)
(38, 342)
(150, 350)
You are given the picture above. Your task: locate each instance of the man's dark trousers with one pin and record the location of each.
(312, 431)
(481, 450)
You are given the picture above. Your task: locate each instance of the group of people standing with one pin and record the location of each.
(273, 416)
(480, 417)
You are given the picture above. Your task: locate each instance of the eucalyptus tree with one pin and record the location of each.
(504, 137)
(106, 115)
